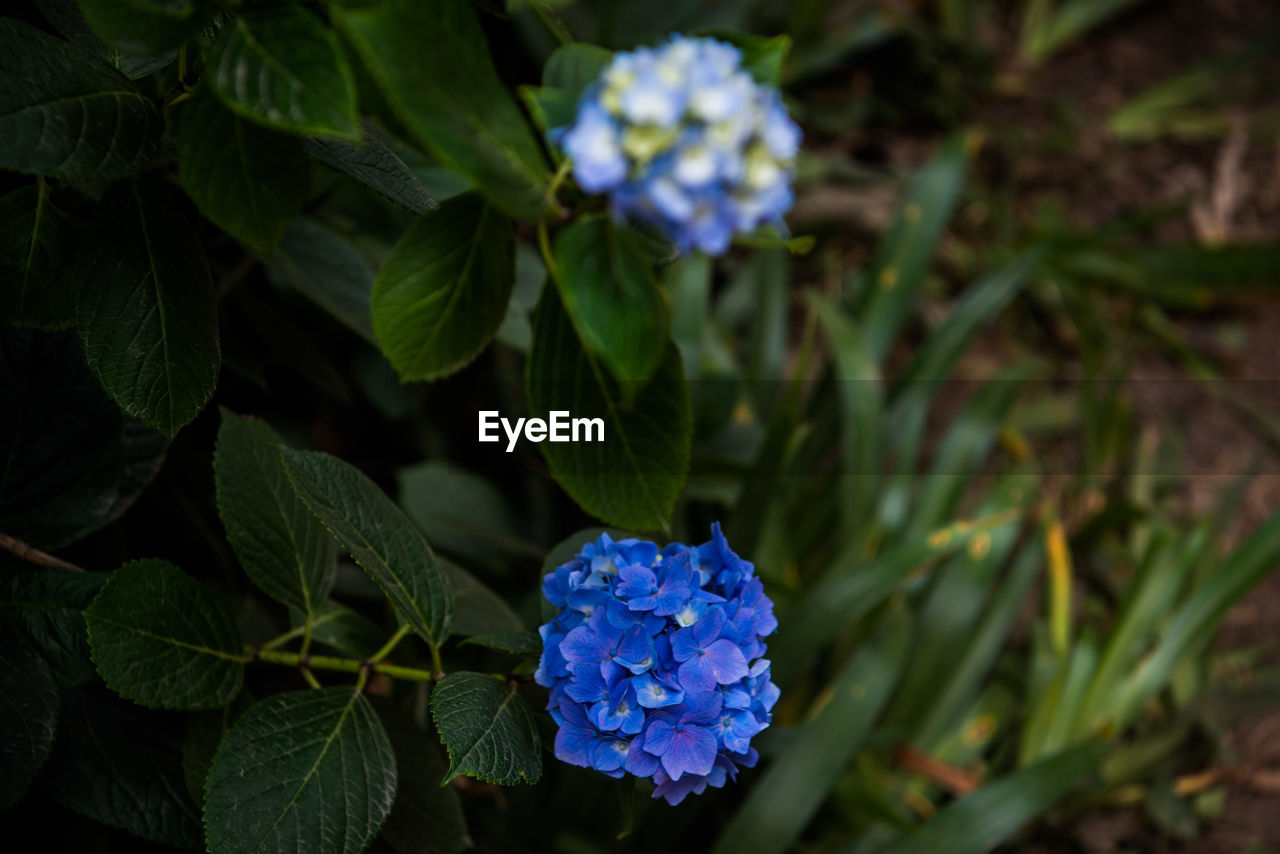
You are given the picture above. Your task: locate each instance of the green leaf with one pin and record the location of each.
(163, 640)
(633, 477)
(62, 438)
(28, 719)
(854, 585)
(442, 292)
(42, 608)
(379, 536)
(783, 801)
(307, 771)
(994, 813)
(433, 66)
(477, 609)
(762, 56)
(609, 289)
(147, 311)
(248, 180)
(282, 66)
(898, 268)
(56, 98)
(460, 512)
(145, 26)
(122, 765)
(35, 239)
(327, 269)
(374, 163)
(575, 66)
(426, 817)
(513, 643)
(283, 548)
(487, 729)
(65, 17)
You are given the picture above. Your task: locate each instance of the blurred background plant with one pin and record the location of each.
(1002, 441)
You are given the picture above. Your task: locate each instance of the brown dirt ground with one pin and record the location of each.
(1230, 190)
(1234, 189)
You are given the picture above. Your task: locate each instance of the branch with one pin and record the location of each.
(34, 555)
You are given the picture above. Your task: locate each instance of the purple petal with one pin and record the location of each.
(726, 662)
(690, 751)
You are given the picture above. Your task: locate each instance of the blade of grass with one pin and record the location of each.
(786, 797)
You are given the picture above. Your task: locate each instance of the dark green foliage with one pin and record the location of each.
(633, 477)
(442, 291)
(161, 639)
(376, 533)
(304, 771)
(28, 719)
(487, 729)
(56, 96)
(145, 308)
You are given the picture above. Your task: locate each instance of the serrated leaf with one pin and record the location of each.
(161, 639)
(65, 17)
(608, 287)
(327, 269)
(433, 66)
(374, 163)
(146, 310)
(250, 181)
(282, 66)
(633, 477)
(443, 290)
(42, 608)
(283, 548)
(62, 437)
(379, 536)
(28, 719)
(122, 765)
(487, 729)
(513, 643)
(307, 771)
(426, 817)
(34, 241)
(57, 95)
(145, 26)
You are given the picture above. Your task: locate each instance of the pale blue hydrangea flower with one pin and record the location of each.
(681, 137)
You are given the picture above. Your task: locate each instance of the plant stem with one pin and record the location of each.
(390, 645)
(33, 555)
(343, 665)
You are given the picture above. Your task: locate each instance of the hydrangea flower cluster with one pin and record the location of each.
(655, 662)
(681, 137)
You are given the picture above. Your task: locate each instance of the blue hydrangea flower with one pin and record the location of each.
(681, 137)
(655, 659)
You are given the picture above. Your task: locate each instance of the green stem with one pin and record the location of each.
(544, 246)
(344, 665)
(390, 645)
(283, 639)
(182, 64)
